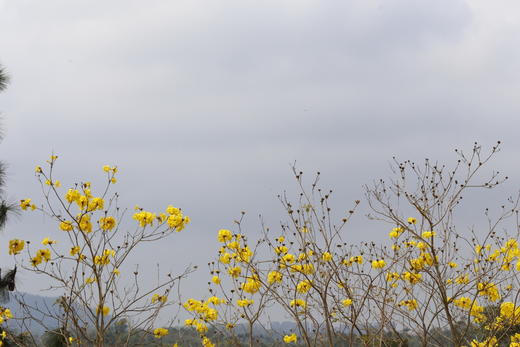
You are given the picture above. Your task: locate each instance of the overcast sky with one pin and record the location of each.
(205, 104)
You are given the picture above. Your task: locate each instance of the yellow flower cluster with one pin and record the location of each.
(107, 223)
(489, 342)
(290, 338)
(159, 298)
(298, 303)
(41, 255)
(411, 277)
(346, 302)
(304, 286)
(396, 232)
(410, 304)
(144, 218)
(245, 302)
(358, 259)
(16, 246)
(5, 314)
(175, 218)
(86, 202)
(515, 340)
(84, 223)
(224, 235)
(489, 290)
(104, 310)
(204, 312)
(274, 277)
(252, 285)
(26, 203)
(160, 332)
(378, 264)
(235, 250)
(105, 258)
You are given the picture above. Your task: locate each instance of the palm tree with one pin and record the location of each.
(8, 281)
(5, 207)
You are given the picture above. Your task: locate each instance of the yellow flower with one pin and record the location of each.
(392, 276)
(290, 338)
(462, 279)
(84, 223)
(38, 169)
(215, 279)
(90, 280)
(288, 258)
(24, 203)
(160, 332)
(489, 342)
(44, 254)
(396, 232)
(113, 180)
(274, 276)
(252, 285)
(16, 246)
(410, 304)
(422, 246)
(145, 218)
(74, 250)
(489, 290)
(452, 264)
(281, 249)
(234, 271)
(428, 234)
(233, 245)
(106, 168)
(116, 272)
(96, 204)
(224, 235)
(463, 302)
(378, 264)
(298, 303)
(411, 277)
(326, 256)
(35, 261)
(281, 239)
(159, 298)
(303, 287)
(412, 220)
(46, 241)
(207, 342)
(66, 226)
(107, 223)
(225, 258)
(104, 310)
(346, 302)
(245, 302)
(72, 195)
(214, 300)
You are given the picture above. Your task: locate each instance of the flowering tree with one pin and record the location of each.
(432, 284)
(95, 293)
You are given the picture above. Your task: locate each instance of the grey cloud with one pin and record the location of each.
(206, 105)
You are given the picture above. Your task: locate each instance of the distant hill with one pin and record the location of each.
(40, 304)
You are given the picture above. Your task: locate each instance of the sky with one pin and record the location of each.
(206, 105)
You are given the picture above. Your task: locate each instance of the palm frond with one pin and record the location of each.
(4, 79)
(6, 209)
(2, 174)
